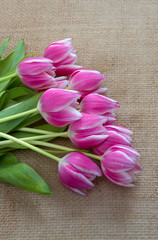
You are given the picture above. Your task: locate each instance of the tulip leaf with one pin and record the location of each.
(23, 176)
(30, 120)
(5, 68)
(15, 82)
(3, 46)
(17, 93)
(7, 159)
(6, 63)
(51, 128)
(15, 109)
(2, 99)
(19, 54)
(4, 84)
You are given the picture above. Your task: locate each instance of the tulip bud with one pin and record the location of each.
(63, 56)
(76, 171)
(37, 73)
(120, 163)
(88, 131)
(98, 104)
(86, 81)
(116, 135)
(57, 106)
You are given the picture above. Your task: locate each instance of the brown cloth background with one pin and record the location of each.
(119, 38)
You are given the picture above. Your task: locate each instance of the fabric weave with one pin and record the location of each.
(118, 39)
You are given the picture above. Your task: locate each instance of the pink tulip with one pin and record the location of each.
(98, 104)
(116, 135)
(120, 164)
(76, 171)
(63, 56)
(57, 106)
(86, 81)
(37, 73)
(88, 131)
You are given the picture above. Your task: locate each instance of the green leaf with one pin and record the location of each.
(19, 54)
(6, 63)
(8, 159)
(4, 84)
(51, 128)
(2, 98)
(5, 69)
(14, 82)
(15, 109)
(15, 93)
(3, 46)
(23, 176)
(30, 120)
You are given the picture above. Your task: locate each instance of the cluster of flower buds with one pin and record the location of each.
(80, 103)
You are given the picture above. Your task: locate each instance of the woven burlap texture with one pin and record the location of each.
(119, 39)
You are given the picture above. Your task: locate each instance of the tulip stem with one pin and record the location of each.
(68, 149)
(30, 146)
(18, 115)
(8, 76)
(5, 143)
(35, 130)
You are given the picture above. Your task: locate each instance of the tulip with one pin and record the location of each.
(86, 81)
(88, 131)
(98, 104)
(76, 171)
(63, 56)
(120, 163)
(116, 135)
(37, 73)
(57, 106)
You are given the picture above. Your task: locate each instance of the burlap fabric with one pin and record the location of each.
(118, 38)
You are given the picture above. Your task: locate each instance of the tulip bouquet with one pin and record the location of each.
(72, 103)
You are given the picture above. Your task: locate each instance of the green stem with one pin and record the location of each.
(8, 76)
(5, 143)
(30, 146)
(18, 115)
(68, 149)
(35, 130)
(50, 151)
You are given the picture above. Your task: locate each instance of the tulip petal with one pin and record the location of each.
(117, 161)
(83, 163)
(33, 66)
(67, 69)
(119, 178)
(119, 129)
(98, 104)
(63, 117)
(126, 149)
(56, 100)
(70, 178)
(88, 121)
(86, 80)
(81, 191)
(57, 52)
(69, 60)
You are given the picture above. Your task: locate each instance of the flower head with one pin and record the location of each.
(120, 163)
(116, 135)
(63, 56)
(57, 106)
(76, 171)
(37, 73)
(86, 81)
(98, 104)
(88, 131)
